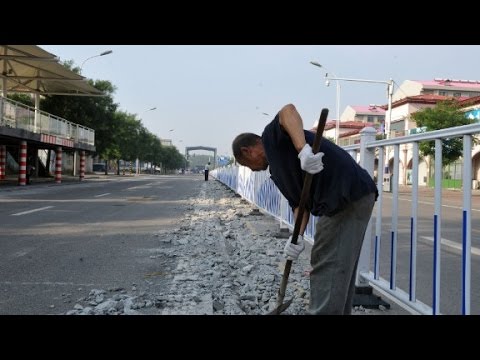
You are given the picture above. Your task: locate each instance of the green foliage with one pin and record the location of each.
(95, 112)
(118, 134)
(25, 99)
(445, 114)
(172, 158)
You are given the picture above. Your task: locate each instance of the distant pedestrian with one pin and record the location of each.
(30, 171)
(207, 168)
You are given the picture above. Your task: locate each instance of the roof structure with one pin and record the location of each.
(454, 83)
(30, 69)
(428, 99)
(369, 110)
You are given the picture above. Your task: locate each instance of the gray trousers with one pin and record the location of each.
(337, 243)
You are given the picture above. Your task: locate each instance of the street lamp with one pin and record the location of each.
(91, 57)
(337, 125)
(389, 83)
(137, 160)
(388, 118)
(151, 109)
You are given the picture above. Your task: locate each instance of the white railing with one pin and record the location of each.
(19, 116)
(260, 190)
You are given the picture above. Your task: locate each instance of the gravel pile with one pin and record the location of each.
(228, 261)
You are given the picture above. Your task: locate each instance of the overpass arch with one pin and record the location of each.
(212, 149)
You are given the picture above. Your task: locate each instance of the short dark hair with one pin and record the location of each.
(243, 140)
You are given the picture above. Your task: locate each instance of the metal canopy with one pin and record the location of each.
(30, 69)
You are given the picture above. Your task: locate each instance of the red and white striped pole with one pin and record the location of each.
(22, 170)
(3, 160)
(58, 165)
(82, 165)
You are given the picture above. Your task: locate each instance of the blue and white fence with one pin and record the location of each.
(259, 189)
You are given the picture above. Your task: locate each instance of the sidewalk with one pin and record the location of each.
(430, 192)
(450, 197)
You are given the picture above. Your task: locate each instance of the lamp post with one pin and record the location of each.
(389, 83)
(365, 251)
(337, 125)
(38, 96)
(137, 162)
(388, 118)
(91, 57)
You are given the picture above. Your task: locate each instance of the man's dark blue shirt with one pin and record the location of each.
(341, 182)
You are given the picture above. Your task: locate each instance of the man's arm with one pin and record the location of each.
(291, 121)
(306, 218)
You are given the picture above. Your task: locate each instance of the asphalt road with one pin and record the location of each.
(451, 234)
(57, 242)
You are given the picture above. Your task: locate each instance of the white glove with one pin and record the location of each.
(311, 163)
(291, 251)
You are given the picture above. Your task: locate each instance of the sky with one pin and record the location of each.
(205, 95)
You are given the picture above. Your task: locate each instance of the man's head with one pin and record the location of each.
(248, 151)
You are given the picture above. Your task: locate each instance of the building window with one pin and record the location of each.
(370, 118)
(443, 93)
(457, 94)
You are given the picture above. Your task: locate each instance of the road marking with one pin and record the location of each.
(102, 195)
(32, 211)
(453, 244)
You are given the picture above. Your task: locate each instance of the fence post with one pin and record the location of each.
(367, 161)
(363, 291)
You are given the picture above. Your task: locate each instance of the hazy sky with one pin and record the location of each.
(210, 93)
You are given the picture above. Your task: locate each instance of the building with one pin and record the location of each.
(372, 114)
(410, 97)
(402, 124)
(438, 86)
(166, 142)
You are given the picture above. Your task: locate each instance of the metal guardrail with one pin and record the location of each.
(257, 188)
(19, 116)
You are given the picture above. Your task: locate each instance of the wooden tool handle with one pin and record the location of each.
(301, 209)
(307, 182)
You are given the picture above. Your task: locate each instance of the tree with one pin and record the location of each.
(172, 159)
(445, 114)
(95, 112)
(25, 99)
